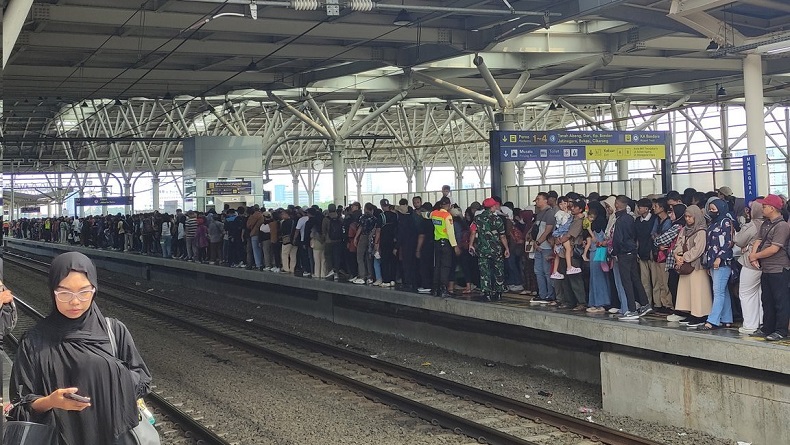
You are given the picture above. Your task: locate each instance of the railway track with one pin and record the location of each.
(483, 416)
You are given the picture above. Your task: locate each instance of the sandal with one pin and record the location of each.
(707, 327)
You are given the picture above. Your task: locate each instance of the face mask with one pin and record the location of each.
(714, 215)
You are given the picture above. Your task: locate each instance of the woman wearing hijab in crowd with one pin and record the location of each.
(600, 291)
(749, 288)
(69, 352)
(717, 259)
(665, 243)
(694, 291)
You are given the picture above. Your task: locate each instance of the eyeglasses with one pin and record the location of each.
(65, 296)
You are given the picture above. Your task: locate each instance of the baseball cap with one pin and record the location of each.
(331, 208)
(771, 200)
(726, 191)
(489, 202)
(384, 202)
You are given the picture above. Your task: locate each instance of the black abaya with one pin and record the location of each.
(60, 352)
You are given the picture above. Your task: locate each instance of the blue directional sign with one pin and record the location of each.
(579, 145)
(544, 153)
(749, 178)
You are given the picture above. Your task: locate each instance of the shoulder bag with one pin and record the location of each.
(687, 267)
(144, 433)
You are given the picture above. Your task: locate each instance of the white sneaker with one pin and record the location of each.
(377, 283)
(675, 318)
(330, 274)
(573, 270)
(385, 284)
(358, 281)
(516, 288)
(557, 276)
(629, 316)
(743, 330)
(275, 269)
(424, 290)
(614, 310)
(369, 281)
(307, 275)
(392, 284)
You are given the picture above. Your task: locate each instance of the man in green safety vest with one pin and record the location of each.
(445, 247)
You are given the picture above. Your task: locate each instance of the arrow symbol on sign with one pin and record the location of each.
(507, 154)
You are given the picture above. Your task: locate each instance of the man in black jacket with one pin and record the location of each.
(624, 250)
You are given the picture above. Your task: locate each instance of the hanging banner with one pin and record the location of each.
(224, 188)
(579, 145)
(106, 201)
(749, 178)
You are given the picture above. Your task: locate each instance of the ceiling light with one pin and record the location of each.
(403, 18)
(448, 107)
(654, 108)
(371, 110)
(712, 46)
(168, 96)
(252, 67)
(721, 92)
(118, 102)
(84, 104)
(779, 50)
(552, 107)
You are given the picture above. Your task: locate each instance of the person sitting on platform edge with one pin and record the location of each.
(70, 352)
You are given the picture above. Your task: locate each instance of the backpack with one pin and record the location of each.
(335, 229)
(352, 234)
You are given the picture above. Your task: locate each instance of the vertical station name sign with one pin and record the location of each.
(749, 178)
(513, 146)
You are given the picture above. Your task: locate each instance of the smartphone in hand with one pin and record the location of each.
(77, 398)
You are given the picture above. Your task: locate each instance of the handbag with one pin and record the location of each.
(600, 254)
(687, 267)
(144, 433)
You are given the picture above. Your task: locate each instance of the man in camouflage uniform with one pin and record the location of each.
(489, 243)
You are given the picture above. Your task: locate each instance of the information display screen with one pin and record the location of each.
(579, 145)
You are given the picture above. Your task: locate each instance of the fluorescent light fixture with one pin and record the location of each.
(776, 48)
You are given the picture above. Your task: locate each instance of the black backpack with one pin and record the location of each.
(336, 230)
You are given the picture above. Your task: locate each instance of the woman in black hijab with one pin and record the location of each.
(70, 352)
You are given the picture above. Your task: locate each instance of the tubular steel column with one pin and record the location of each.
(755, 122)
(295, 183)
(507, 168)
(127, 191)
(155, 191)
(339, 178)
(419, 177)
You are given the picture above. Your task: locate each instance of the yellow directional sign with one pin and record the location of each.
(625, 152)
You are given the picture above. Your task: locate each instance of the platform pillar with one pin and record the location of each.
(755, 119)
(622, 170)
(127, 191)
(295, 182)
(506, 170)
(419, 177)
(339, 178)
(155, 191)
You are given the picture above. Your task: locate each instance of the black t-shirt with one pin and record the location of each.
(426, 228)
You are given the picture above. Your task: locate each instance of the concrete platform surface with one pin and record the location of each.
(724, 346)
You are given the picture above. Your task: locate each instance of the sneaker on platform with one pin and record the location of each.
(747, 331)
(330, 274)
(423, 290)
(614, 310)
(557, 276)
(675, 318)
(358, 281)
(377, 283)
(573, 270)
(644, 310)
(629, 316)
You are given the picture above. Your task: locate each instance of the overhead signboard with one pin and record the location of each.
(105, 201)
(579, 145)
(30, 209)
(224, 188)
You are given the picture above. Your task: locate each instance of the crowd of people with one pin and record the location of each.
(681, 255)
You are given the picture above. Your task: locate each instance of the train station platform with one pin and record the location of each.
(720, 382)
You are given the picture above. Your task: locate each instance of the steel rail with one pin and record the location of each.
(537, 414)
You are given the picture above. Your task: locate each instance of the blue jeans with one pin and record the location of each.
(542, 273)
(513, 276)
(721, 312)
(377, 268)
(257, 252)
(167, 242)
(618, 283)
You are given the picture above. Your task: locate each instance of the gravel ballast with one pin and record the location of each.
(567, 396)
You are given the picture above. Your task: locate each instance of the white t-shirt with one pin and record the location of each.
(300, 226)
(265, 228)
